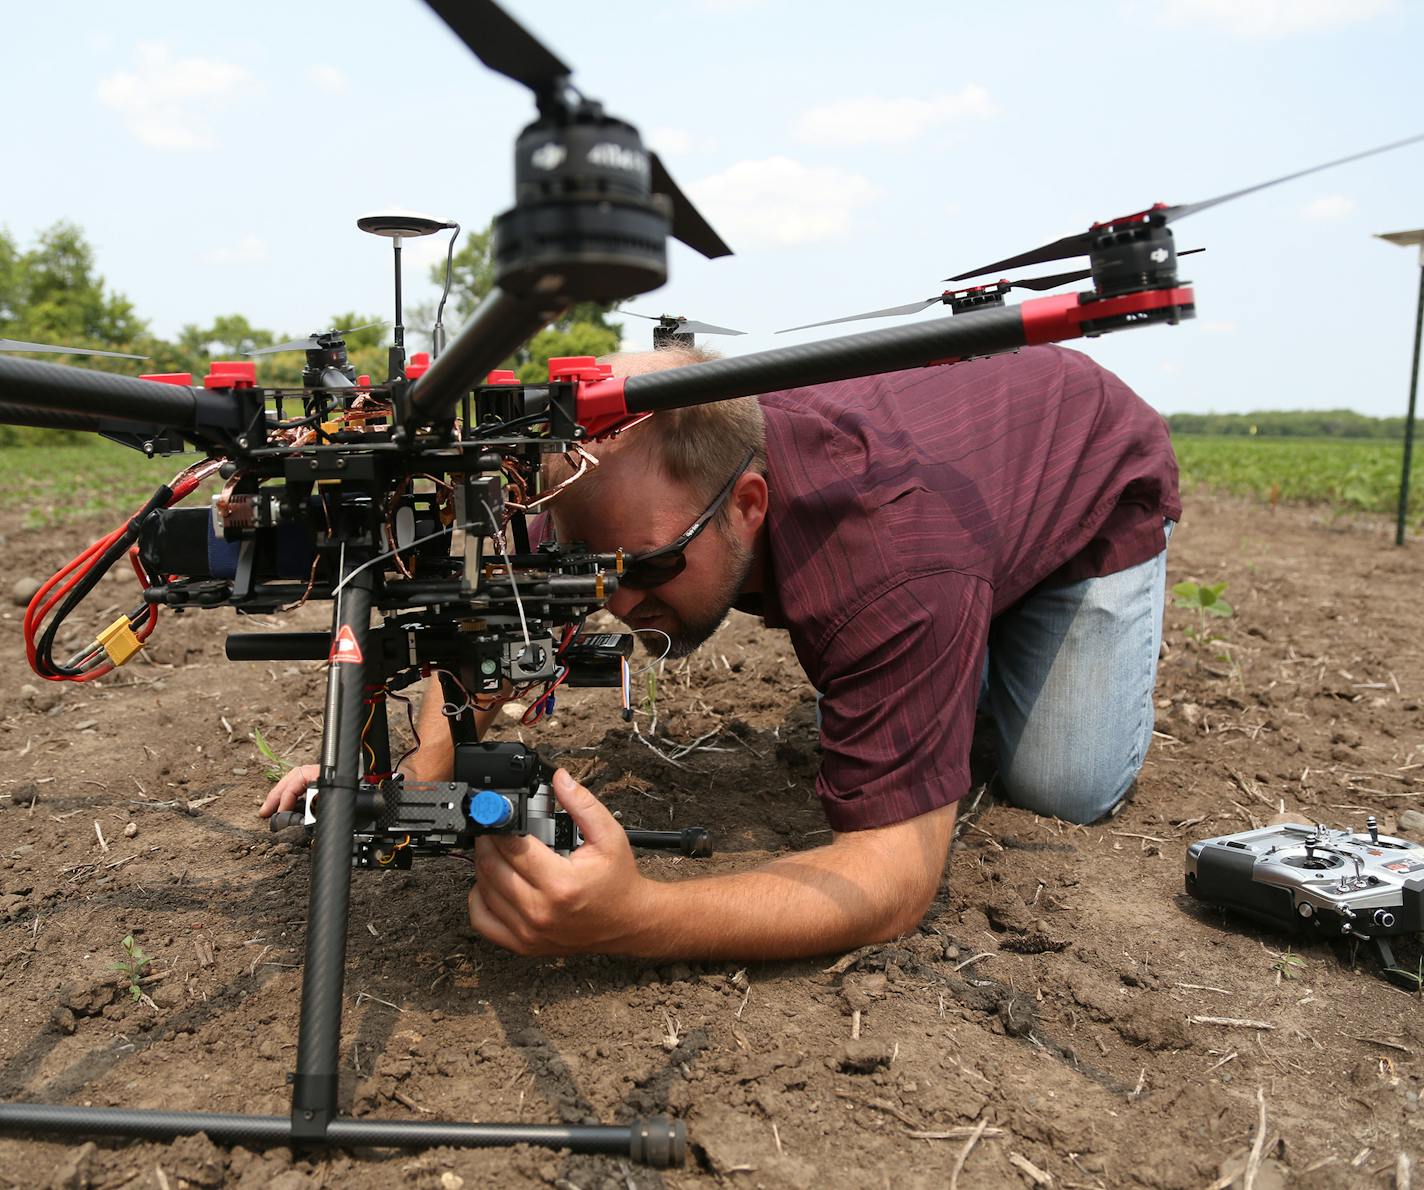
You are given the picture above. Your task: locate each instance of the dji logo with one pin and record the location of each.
(1159, 255)
(613, 156)
(548, 156)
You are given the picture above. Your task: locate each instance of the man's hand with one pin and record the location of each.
(529, 899)
(289, 790)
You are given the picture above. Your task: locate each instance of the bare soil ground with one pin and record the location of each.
(1052, 995)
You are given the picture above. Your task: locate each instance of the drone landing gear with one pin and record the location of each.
(315, 1121)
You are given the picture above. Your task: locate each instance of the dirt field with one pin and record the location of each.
(1051, 995)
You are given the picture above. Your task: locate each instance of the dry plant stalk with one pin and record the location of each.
(968, 1148)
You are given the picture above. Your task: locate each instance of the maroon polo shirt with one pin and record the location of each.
(909, 509)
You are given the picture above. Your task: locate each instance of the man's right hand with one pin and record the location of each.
(289, 790)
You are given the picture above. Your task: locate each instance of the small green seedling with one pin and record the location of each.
(132, 966)
(278, 767)
(1203, 598)
(1287, 965)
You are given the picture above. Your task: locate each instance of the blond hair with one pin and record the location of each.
(700, 446)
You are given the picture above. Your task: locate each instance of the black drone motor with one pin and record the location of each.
(667, 335)
(327, 364)
(1129, 257)
(584, 208)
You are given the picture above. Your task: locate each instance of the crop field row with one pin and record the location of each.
(60, 483)
(1349, 475)
(56, 484)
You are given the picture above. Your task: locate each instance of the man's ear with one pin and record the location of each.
(749, 502)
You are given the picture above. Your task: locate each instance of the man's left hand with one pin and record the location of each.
(530, 899)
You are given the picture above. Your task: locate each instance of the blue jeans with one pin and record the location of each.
(1069, 683)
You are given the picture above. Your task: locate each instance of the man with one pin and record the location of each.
(991, 533)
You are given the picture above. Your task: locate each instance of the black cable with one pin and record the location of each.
(438, 332)
(44, 649)
(490, 430)
(297, 423)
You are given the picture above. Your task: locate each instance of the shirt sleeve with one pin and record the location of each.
(901, 685)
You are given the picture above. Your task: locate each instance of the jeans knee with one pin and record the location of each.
(1071, 788)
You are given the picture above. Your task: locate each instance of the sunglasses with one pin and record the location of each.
(643, 572)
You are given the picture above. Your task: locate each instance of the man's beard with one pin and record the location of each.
(689, 634)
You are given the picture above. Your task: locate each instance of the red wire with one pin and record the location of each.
(537, 707)
(75, 571)
(78, 567)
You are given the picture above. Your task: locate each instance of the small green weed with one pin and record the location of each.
(649, 705)
(277, 766)
(1206, 600)
(1288, 965)
(132, 966)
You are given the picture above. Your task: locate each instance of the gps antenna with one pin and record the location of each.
(395, 226)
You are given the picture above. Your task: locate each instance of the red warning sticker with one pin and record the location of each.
(345, 648)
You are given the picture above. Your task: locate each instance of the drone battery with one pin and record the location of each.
(175, 541)
(596, 658)
(181, 541)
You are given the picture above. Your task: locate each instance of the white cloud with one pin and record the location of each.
(248, 250)
(878, 121)
(329, 79)
(1328, 207)
(670, 142)
(1274, 18)
(166, 101)
(417, 255)
(781, 201)
(1208, 327)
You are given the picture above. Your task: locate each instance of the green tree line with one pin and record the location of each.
(51, 292)
(1289, 423)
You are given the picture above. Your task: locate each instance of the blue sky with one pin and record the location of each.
(217, 157)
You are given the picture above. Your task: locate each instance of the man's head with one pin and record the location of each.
(657, 481)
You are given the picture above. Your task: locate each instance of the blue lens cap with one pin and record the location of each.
(488, 808)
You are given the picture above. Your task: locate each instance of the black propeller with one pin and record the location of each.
(505, 46)
(17, 345)
(312, 342)
(676, 322)
(1082, 242)
(1035, 283)
(688, 225)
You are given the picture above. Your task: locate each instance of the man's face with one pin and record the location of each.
(639, 511)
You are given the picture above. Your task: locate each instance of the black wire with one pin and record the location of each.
(449, 274)
(490, 430)
(44, 650)
(297, 423)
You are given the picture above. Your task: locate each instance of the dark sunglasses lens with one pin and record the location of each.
(641, 574)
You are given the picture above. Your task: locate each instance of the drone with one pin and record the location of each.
(409, 499)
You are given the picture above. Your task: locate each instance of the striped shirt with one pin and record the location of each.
(909, 509)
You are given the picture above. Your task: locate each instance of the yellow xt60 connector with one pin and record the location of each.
(119, 641)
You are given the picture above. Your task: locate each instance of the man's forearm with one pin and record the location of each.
(434, 759)
(856, 891)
